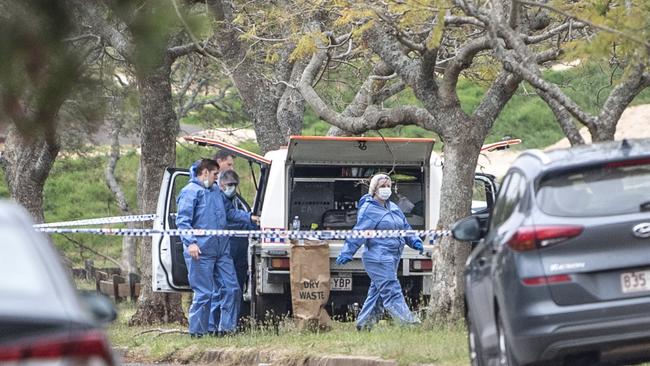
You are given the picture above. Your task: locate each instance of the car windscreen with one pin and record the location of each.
(608, 189)
(22, 274)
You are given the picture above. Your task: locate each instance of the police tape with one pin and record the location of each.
(100, 221)
(270, 234)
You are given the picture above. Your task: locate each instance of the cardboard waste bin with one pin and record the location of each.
(310, 284)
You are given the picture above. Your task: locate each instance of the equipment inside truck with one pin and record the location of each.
(326, 197)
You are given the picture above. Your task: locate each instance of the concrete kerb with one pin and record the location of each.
(253, 357)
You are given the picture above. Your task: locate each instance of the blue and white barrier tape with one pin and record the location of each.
(283, 234)
(99, 221)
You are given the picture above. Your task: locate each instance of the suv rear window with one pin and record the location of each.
(610, 189)
(21, 273)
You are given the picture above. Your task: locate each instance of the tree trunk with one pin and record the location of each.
(158, 144)
(261, 102)
(460, 158)
(128, 258)
(27, 161)
(605, 133)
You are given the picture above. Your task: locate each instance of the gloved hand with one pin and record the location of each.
(342, 259)
(419, 247)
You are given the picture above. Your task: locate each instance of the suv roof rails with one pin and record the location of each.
(539, 155)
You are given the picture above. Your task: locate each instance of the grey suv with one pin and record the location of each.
(562, 274)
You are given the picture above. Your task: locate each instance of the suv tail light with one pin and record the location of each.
(546, 280)
(534, 237)
(85, 347)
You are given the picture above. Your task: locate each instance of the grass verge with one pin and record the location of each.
(408, 345)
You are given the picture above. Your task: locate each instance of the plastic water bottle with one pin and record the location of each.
(295, 225)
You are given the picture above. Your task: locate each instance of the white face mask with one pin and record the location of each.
(229, 191)
(383, 193)
(206, 183)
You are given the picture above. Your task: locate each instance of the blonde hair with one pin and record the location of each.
(374, 182)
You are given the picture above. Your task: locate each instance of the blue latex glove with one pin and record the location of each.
(419, 247)
(342, 259)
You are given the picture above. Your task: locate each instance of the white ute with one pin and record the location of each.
(320, 179)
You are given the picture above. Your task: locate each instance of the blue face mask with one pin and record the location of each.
(206, 183)
(229, 191)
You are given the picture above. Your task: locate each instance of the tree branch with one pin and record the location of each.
(364, 96)
(460, 62)
(399, 34)
(497, 96)
(388, 92)
(373, 118)
(551, 32)
(564, 118)
(623, 94)
(463, 20)
(95, 15)
(113, 157)
(593, 25)
(85, 247)
(527, 68)
(410, 70)
(182, 50)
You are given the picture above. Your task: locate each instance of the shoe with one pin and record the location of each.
(362, 328)
(196, 335)
(223, 333)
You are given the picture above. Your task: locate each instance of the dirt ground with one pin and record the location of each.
(634, 123)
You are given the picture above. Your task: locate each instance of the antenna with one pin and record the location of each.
(625, 145)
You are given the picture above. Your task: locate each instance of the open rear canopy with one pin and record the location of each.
(359, 150)
(236, 151)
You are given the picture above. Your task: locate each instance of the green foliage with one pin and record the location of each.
(627, 35)
(306, 46)
(76, 187)
(151, 24)
(37, 69)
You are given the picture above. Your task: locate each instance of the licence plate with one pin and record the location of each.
(635, 281)
(341, 282)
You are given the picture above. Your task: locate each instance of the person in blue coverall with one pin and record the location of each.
(382, 255)
(228, 181)
(201, 205)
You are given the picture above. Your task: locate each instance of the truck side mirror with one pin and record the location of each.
(467, 229)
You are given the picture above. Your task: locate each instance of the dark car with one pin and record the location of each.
(562, 274)
(43, 320)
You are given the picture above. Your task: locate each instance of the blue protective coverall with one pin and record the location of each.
(380, 259)
(239, 254)
(204, 208)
